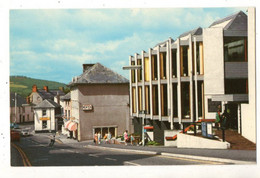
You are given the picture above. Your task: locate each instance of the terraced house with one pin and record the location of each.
(184, 80)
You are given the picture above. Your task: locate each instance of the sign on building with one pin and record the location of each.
(87, 107)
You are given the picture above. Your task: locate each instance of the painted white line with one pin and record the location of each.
(222, 160)
(123, 150)
(92, 155)
(130, 163)
(111, 159)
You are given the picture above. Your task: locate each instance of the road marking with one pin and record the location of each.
(26, 161)
(130, 163)
(191, 160)
(92, 155)
(111, 159)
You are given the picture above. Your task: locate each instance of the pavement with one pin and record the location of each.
(228, 156)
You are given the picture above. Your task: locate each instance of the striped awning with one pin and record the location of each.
(73, 126)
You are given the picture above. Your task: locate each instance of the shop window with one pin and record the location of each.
(174, 63)
(200, 99)
(235, 49)
(154, 67)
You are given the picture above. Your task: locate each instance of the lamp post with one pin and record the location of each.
(143, 118)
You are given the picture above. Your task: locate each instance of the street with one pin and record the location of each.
(39, 153)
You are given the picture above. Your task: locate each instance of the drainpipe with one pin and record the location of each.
(15, 105)
(239, 118)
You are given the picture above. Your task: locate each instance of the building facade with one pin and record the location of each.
(100, 102)
(184, 80)
(46, 116)
(20, 112)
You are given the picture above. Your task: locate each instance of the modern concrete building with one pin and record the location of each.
(184, 80)
(100, 102)
(21, 111)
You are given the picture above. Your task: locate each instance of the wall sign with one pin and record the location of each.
(87, 107)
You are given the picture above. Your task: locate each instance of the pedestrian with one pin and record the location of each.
(52, 141)
(96, 138)
(218, 117)
(109, 137)
(99, 138)
(105, 137)
(225, 119)
(132, 139)
(126, 137)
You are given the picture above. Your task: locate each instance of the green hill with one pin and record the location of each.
(23, 85)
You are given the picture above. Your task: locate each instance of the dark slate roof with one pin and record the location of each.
(47, 103)
(196, 31)
(19, 100)
(66, 97)
(163, 44)
(50, 94)
(238, 22)
(98, 74)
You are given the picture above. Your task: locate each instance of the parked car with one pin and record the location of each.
(15, 136)
(25, 132)
(14, 126)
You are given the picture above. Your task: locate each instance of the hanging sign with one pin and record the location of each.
(87, 107)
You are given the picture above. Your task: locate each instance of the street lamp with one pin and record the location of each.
(143, 118)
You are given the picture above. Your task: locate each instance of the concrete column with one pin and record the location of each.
(130, 86)
(196, 79)
(239, 118)
(159, 82)
(179, 80)
(170, 102)
(191, 78)
(143, 89)
(136, 86)
(150, 79)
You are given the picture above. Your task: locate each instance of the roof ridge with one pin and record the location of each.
(110, 70)
(229, 17)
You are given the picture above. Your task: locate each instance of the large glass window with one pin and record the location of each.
(155, 100)
(174, 63)
(154, 67)
(185, 100)
(184, 61)
(139, 73)
(235, 49)
(236, 86)
(133, 72)
(163, 65)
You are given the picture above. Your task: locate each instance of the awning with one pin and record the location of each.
(44, 118)
(72, 126)
(148, 127)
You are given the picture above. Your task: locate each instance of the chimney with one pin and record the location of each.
(34, 88)
(45, 88)
(58, 98)
(87, 67)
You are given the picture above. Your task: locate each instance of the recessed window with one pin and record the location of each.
(44, 112)
(44, 124)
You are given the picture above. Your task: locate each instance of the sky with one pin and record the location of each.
(52, 44)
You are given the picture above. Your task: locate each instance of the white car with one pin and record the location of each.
(25, 132)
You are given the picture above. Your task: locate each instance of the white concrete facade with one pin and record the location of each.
(248, 111)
